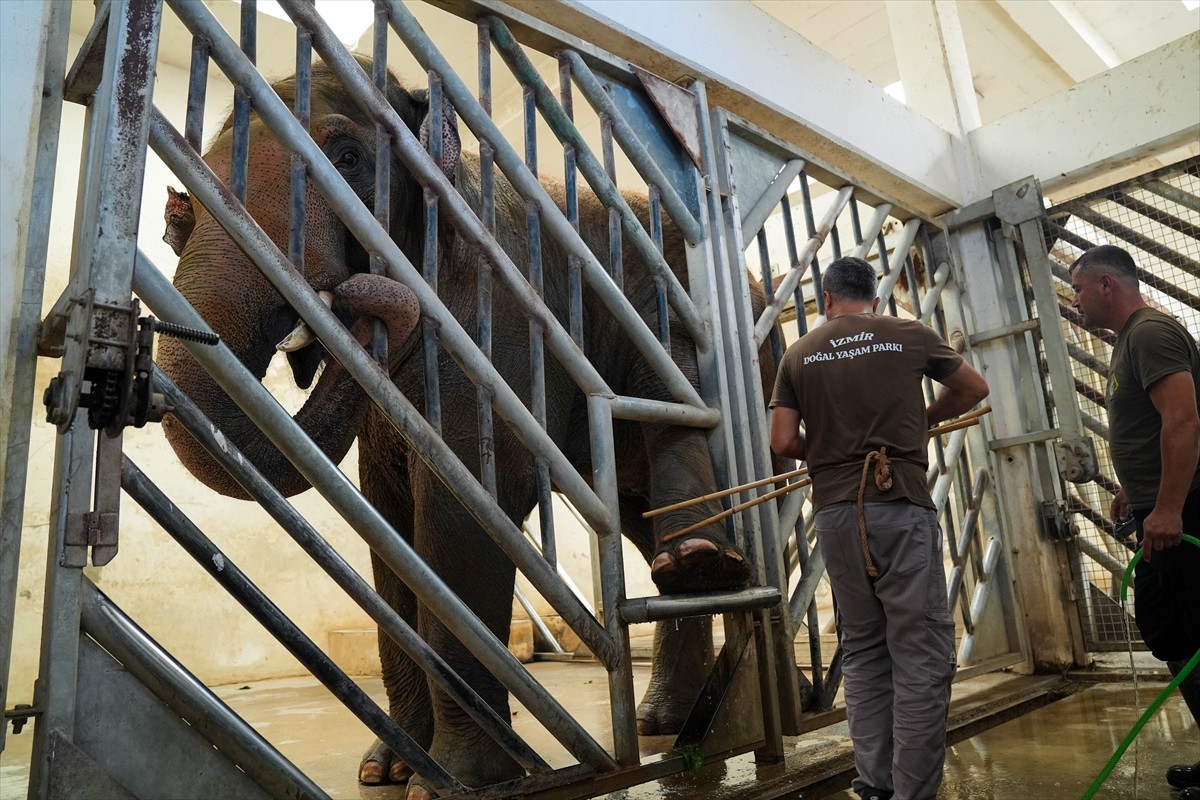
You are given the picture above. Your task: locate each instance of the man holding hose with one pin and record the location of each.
(1154, 433)
(857, 384)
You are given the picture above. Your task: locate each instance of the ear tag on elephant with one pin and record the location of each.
(451, 145)
(180, 219)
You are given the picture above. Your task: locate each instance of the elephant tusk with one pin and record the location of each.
(302, 335)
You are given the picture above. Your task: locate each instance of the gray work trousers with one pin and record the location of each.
(897, 641)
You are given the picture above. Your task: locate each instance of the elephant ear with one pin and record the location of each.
(451, 144)
(180, 219)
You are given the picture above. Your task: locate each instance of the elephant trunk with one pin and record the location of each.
(251, 324)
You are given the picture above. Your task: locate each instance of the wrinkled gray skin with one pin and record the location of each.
(657, 464)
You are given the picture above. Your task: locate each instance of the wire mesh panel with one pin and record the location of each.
(1156, 217)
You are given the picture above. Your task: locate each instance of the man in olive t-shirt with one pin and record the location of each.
(856, 383)
(1154, 436)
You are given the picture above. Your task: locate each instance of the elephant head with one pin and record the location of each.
(254, 320)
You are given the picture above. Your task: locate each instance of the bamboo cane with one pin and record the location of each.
(964, 421)
(729, 512)
(714, 495)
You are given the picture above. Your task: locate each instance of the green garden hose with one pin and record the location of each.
(1158, 701)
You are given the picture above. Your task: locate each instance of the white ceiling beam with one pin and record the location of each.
(767, 73)
(1141, 109)
(1098, 44)
(932, 57)
(936, 74)
(1057, 38)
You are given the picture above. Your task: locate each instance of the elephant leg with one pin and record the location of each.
(404, 682)
(701, 560)
(683, 649)
(683, 657)
(384, 474)
(478, 572)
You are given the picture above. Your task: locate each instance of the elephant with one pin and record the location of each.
(657, 464)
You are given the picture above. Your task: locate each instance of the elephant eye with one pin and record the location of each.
(347, 160)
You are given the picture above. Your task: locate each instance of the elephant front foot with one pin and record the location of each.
(661, 718)
(380, 765)
(699, 563)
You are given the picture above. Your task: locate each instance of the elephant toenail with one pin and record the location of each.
(418, 793)
(663, 563)
(371, 773)
(693, 547)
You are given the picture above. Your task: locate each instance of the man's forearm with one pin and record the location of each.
(1179, 458)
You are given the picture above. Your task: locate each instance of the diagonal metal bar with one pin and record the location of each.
(316, 467)
(908, 235)
(523, 181)
(270, 616)
(593, 171)
(766, 320)
(639, 156)
(432, 449)
(390, 622)
(870, 235)
(183, 692)
(768, 201)
(349, 207)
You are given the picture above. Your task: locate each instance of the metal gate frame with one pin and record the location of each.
(1154, 216)
(122, 122)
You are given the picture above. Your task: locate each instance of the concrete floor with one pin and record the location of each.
(1053, 752)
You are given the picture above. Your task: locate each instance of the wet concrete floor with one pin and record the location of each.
(1055, 751)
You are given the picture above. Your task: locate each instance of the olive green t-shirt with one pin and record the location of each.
(857, 383)
(1151, 346)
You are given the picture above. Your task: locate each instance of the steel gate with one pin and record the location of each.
(745, 202)
(1156, 217)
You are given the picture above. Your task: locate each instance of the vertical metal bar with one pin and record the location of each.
(612, 569)
(429, 267)
(660, 287)
(14, 459)
(537, 346)
(241, 106)
(59, 662)
(383, 169)
(855, 223)
(574, 278)
(107, 220)
(615, 266)
(483, 290)
(811, 226)
(750, 451)
(768, 284)
(886, 269)
(299, 176)
(197, 85)
(910, 272)
(789, 234)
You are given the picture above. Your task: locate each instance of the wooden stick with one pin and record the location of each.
(950, 427)
(964, 421)
(729, 512)
(713, 496)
